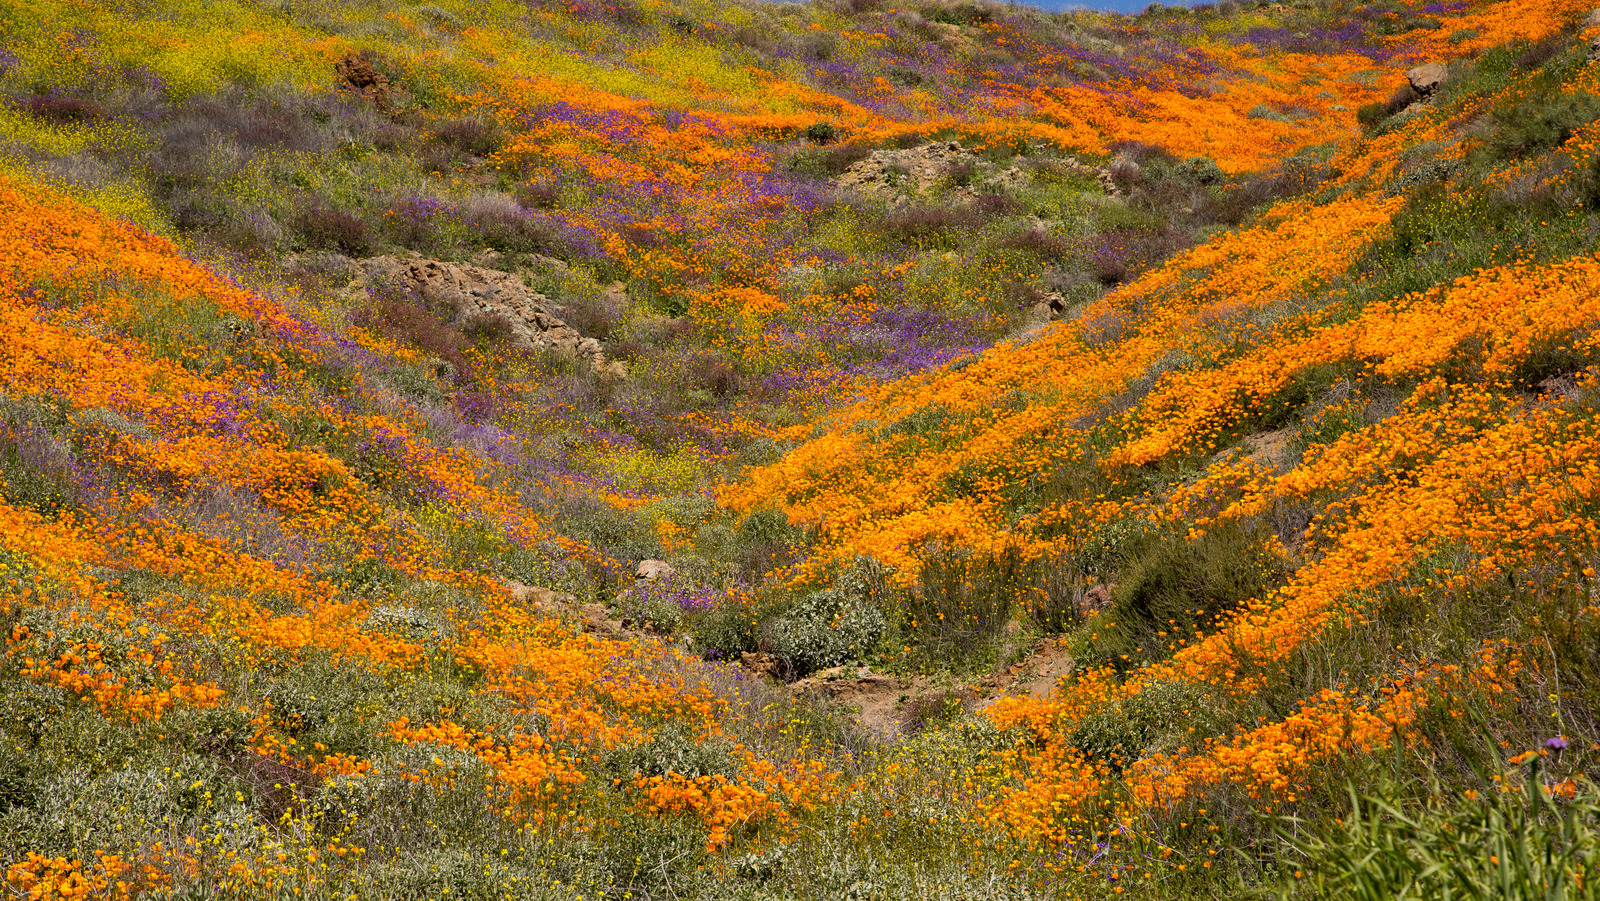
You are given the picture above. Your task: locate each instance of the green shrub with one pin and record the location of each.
(725, 632)
(822, 133)
(957, 613)
(650, 611)
(965, 13)
(762, 542)
(651, 857)
(826, 628)
(478, 875)
(19, 787)
(604, 528)
(1202, 170)
(670, 749)
(1263, 111)
(1170, 585)
(1539, 123)
(36, 468)
(1119, 734)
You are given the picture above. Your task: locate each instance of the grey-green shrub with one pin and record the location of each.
(653, 612)
(826, 628)
(672, 750)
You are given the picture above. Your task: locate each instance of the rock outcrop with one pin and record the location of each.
(919, 169)
(653, 571)
(1049, 308)
(357, 73)
(590, 617)
(465, 291)
(937, 164)
(1427, 78)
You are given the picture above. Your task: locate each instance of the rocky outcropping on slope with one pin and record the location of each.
(931, 166)
(560, 605)
(918, 169)
(466, 291)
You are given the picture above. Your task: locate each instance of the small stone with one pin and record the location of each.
(1097, 598)
(538, 597)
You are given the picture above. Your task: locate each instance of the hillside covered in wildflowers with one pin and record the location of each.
(850, 449)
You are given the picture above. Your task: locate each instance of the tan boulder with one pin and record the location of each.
(1426, 79)
(597, 619)
(761, 664)
(653, 570)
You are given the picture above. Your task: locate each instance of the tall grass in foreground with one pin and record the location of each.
(1540, 842)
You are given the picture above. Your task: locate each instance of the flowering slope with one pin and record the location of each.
(1279, 421)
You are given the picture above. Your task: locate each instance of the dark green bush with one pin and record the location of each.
(1119, 734)
(1539, 123)
(1202, 170)
(822, 133)
(1172, 584)
(725, 632)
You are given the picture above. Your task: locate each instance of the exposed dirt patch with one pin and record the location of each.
(1270, 448)
(874, 697)
(888, 707)
(1035, 676)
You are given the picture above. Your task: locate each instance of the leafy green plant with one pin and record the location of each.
(672, 750)
(1497, 844)
(826, 628)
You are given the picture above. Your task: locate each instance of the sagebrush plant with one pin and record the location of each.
(825, 628)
